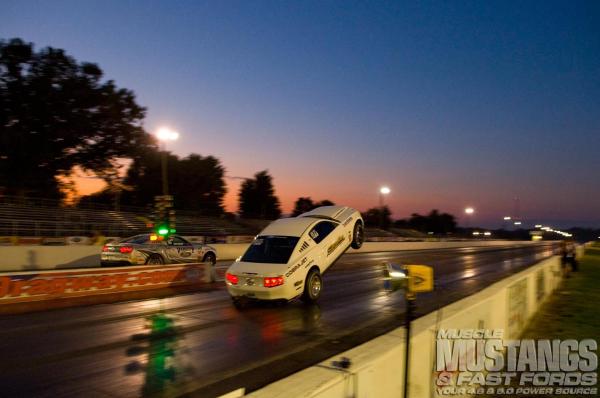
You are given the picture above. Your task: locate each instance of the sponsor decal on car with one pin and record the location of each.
(295, 267)
(335, 244)
(348, 221)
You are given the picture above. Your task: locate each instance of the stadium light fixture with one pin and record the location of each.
(469, 210)
(166, 134)
(385, 190)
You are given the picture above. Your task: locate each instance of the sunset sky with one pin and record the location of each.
(449, 103)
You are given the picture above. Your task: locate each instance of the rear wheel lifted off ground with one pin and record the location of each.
(312, 287)
(358, 236)
(155, 260)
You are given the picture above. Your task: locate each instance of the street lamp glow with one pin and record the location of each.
(385, 190)
(166, 134)
(538, 225)
(469, 210)
(507, 218)
(517, 222)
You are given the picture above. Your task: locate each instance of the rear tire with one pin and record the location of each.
(210, 258)
(155, 259)
(312, 287)
(238, 303)
(358, 235)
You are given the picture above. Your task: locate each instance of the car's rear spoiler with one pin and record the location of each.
(326, 213)
(321, 217)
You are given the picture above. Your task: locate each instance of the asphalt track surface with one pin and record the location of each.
(199, 345)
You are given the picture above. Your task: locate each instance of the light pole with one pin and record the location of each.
(385, 190)
(382, 192)
(165, 134)
(469, 211)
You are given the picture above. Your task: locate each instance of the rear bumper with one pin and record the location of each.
(118, 259)
(114, 263)
(263, 293)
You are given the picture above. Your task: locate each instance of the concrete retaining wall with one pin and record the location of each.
(377, 366)
(23, 258)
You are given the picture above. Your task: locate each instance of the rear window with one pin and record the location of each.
(271, 249)
(138, 239)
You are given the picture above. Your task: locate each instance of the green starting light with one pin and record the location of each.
(163, 231)
(172, 230)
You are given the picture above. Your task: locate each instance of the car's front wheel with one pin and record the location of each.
(210, 258)
(358, 236)
(155, 259)
(312, 287)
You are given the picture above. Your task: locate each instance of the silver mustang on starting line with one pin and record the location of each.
(154, 249)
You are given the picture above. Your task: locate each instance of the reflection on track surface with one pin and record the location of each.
(200, 345)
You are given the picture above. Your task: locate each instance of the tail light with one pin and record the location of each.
(272, 282)
(105, 248)
(125, 249)
(232, 278)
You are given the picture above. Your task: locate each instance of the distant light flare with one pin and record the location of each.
(166, 134)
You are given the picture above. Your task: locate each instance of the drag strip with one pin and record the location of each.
(200, 345)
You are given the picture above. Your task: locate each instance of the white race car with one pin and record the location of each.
(286, 260)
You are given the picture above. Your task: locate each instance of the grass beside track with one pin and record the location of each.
(572, 312)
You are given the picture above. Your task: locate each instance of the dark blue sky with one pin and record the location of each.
(449, 103)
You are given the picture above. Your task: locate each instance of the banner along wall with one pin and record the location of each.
(23, 291)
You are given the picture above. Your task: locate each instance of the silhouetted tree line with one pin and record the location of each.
(302, 205)
(436, 222)
(57, 113)
(257, 197)
(379, 217)
(196, 182)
